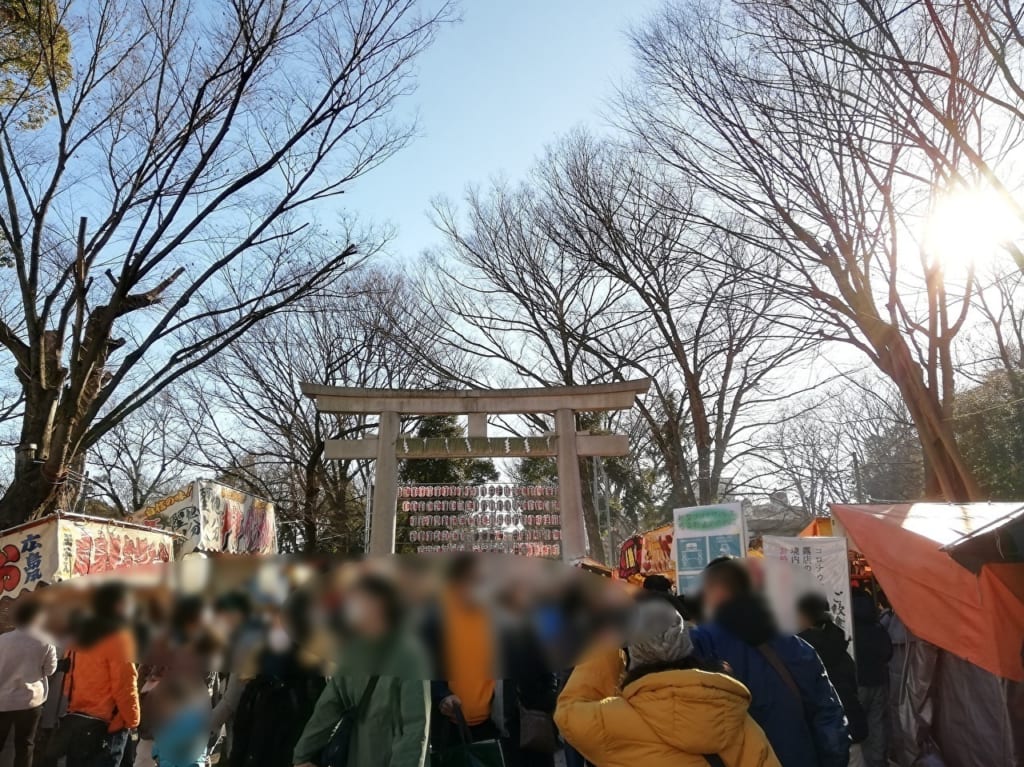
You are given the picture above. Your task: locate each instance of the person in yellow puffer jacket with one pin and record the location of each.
(665, 711)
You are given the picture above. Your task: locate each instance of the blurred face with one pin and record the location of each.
(364, 614)
(471, 588)
(226, 622)
(278, 638)
(125, 608)
(714, 596)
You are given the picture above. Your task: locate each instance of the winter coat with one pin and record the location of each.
(102, 681)
(830, 642)
(663, 719)
(393, 730)
(273, 709)
(871, 643)
(525, 679)
(809, 732)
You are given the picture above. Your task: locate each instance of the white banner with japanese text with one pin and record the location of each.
(797, 566)
(29, 555)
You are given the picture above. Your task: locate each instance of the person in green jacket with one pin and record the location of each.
(393, 728)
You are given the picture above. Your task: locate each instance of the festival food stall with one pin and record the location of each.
(212, 517)
(954, 575)
(648, 553)
(63, 546)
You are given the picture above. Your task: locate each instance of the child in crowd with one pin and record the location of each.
(183, 730)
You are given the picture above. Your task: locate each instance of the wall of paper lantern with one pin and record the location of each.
(505, 518)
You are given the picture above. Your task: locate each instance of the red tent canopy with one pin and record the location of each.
(978, 617)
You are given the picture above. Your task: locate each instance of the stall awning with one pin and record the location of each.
(978, 616)
(1000, 541)
(819, 527)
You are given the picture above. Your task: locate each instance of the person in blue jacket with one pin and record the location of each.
(792, 697)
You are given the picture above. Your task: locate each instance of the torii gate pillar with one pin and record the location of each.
(385, 486)
(570, 491)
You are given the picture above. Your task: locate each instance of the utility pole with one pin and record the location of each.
(857, 479)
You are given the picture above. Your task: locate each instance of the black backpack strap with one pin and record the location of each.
(714, 760)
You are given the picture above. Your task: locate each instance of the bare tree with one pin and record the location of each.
(145, 456)
(509, 296)
(170, 203)
(785, 129)
(846, 442)
(713, 339)
(260, 432)
(946, 76)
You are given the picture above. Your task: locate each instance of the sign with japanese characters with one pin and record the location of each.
(57, 548)
(213, 517)
(796, 566)
(703, 534)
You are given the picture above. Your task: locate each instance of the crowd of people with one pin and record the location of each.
(500, 664)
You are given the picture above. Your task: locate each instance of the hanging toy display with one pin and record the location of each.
(504, 518)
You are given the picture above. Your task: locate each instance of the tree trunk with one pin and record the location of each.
(591, 522)
(947, 476)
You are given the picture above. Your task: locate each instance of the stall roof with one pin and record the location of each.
(978, 616)
(998, 541)
(85, 518)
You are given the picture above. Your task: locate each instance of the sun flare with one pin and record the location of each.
(970, 225)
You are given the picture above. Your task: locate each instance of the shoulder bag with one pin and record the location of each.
(336, 752)
(537, 731)
(85, 734)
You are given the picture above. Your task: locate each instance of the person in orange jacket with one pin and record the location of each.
(663, 709)
(102, 683)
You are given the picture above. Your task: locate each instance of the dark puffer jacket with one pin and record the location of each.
(810, 732)
(871, 644)
(830, 642)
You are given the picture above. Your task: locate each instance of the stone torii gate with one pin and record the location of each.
(388, 447)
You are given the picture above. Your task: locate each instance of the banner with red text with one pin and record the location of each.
(65, 546)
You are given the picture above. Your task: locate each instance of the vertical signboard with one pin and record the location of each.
(28, 556)
(795, 566)
(629, 557)
(702, 534)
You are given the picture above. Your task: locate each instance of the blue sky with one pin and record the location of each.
(493, 91)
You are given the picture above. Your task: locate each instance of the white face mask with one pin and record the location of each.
(278, 640)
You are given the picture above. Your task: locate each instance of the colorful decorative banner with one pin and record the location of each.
(702, 534)
(656, 553)
(629, 557)
(57, 548)
(796, 566)
(214, 517)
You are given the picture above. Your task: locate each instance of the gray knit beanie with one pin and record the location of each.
(657, 634)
